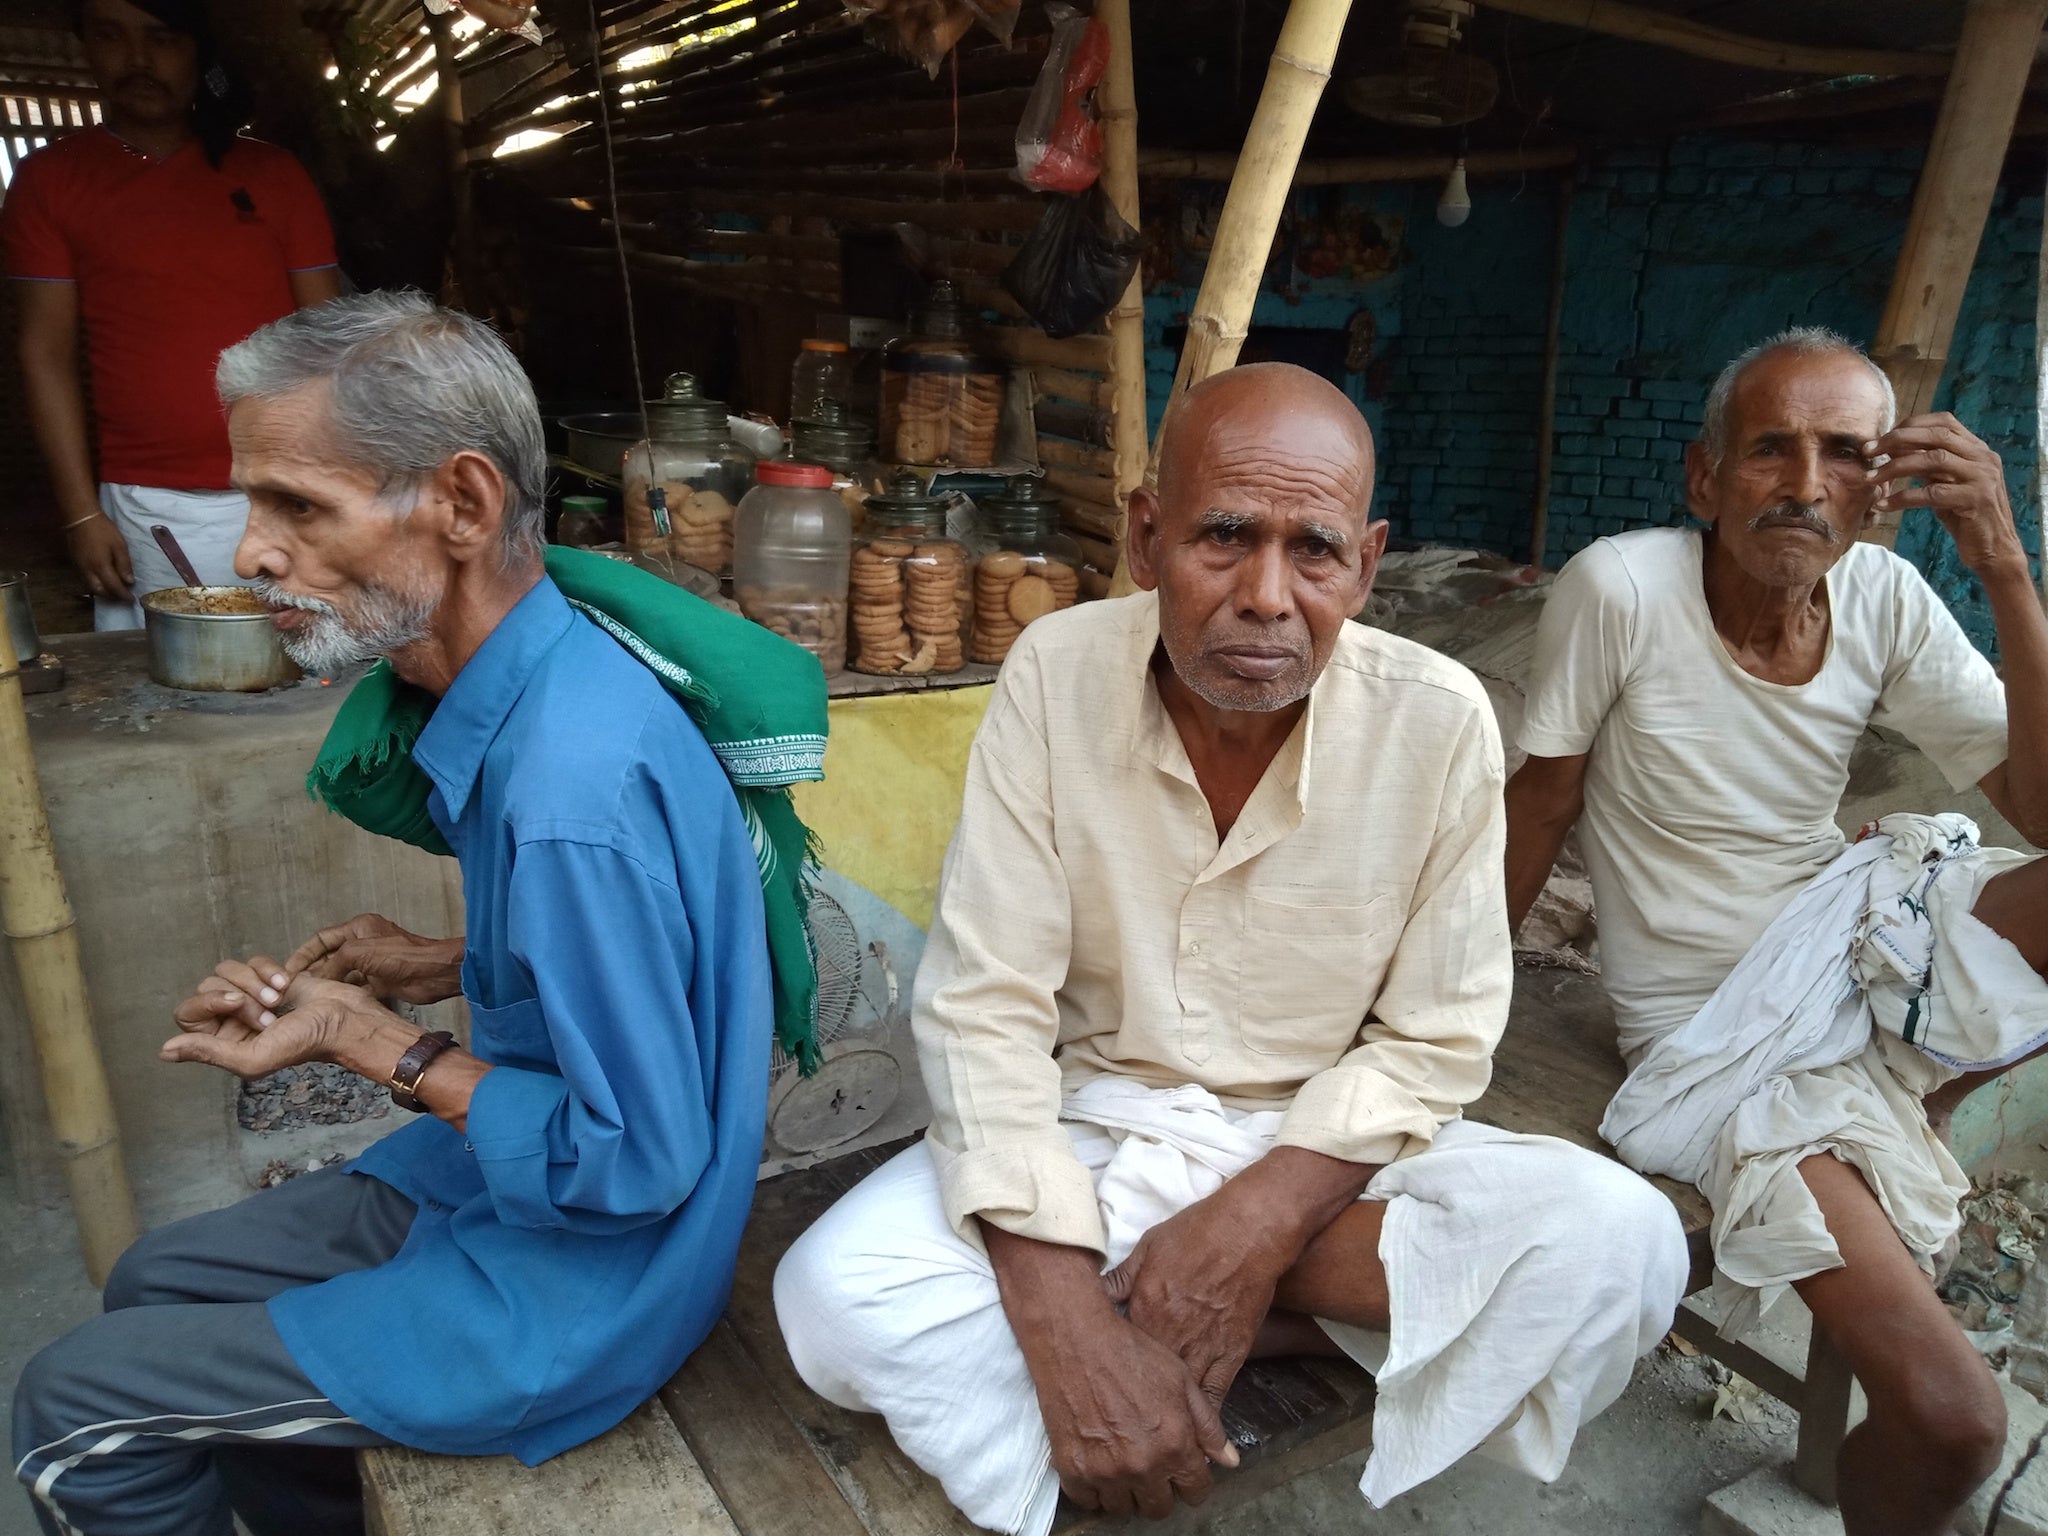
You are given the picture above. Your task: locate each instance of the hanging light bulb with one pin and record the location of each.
(1454, 205)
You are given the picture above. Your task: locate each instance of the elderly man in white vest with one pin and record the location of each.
(1220, 951)
(1788, 1001)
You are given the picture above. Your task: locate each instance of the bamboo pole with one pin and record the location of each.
(1259, 188)
(1638, 24)
(1118, 98)
(462, 253)
(1546, 411)
(1950, 204)
(1359, 170)
(2041, 398)
(37, 918)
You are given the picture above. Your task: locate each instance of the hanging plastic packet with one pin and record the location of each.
(924, 31)
(1059, 139)
(1075, 264)
(505, 15)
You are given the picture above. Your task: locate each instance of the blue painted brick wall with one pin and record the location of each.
(1679, 256)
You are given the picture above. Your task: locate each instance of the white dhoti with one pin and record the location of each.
(1526, 1277)
(1875, 986)
(208, 526)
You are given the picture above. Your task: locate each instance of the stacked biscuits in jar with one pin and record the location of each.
(1027, 569)
(910, 597)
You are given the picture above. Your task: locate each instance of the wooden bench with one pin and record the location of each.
(736, 1445)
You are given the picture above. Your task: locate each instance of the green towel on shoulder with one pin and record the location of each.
(759, 700)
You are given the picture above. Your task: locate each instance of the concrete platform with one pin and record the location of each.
(1767, 1503)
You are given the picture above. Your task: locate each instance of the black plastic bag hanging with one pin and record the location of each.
(1076, 263)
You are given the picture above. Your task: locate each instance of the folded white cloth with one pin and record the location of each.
(1872, 987)
(1526, 1276)
(1856, 947)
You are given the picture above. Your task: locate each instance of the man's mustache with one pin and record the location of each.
(1795, 514)
(149, 82)
(276, 596)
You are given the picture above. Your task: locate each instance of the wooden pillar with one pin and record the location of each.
(1259, 189)
(1950, 204)
(1119, 103)
(1546, 410)
(2041, 399)
(37, 917)
(461, 285)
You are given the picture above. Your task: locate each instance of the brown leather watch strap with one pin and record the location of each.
(412, 1066)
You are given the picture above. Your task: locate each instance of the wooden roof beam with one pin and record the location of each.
(1616, 18)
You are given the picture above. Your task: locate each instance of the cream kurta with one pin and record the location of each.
(1342, 956)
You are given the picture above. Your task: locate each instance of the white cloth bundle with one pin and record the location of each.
(1857, 946)
(1802, 1050)
(1526, 1275)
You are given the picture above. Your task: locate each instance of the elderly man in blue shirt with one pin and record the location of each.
(519, 1268)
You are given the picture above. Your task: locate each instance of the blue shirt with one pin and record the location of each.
(578, 1242)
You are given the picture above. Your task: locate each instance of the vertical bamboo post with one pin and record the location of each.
(1950, 204)
(2041, 399)
(37, 918)
(1119, 104)
(462, 203)
(1546, 408)
(1259, 189)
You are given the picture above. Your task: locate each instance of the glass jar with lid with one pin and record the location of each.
(911, 595)
(1026, 568)
(822, 371)
(791, 547)
(844, 446)
(941, 402)
(683, 480)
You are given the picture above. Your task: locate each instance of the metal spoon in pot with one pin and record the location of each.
(168, 543)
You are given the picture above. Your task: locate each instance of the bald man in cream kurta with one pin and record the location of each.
(1116, 1012)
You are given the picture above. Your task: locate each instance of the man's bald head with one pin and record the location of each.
(1258, 540)
(1295, 413)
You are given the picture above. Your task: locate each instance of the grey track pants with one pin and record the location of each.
(181, 1402)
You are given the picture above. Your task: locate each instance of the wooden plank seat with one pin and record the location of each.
(738, 1421)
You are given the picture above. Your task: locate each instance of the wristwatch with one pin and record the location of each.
(412, 1066)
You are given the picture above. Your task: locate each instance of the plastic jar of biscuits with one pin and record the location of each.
(791, 546)
(911, 593)
(941, 402)
(699, 473)
(1026, 568)
(844, 446)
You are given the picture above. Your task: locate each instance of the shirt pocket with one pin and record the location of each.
(513, 1034)
(1310, 975)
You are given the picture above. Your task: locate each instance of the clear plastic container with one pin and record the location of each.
(699, 473)
(911, 594)
(584, 521)
(823, 371)
(847, 448)
(942, 403)
(1026, 568)
(791, 549)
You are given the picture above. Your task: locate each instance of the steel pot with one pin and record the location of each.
(21, 623)
(212, 652)
(598, 440)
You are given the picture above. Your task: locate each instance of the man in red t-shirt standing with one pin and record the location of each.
(168, 238)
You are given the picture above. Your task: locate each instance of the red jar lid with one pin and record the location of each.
(783, 472)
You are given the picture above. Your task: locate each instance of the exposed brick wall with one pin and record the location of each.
(1679, 256)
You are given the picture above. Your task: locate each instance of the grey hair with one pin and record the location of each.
(413, 385)
(1803, 340)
